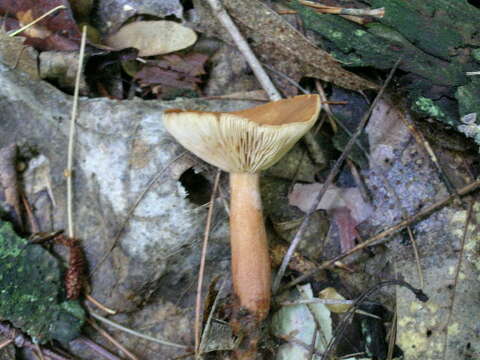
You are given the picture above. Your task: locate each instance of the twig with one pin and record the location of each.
(325, 9)
(21, 340)
(245, 49)
(136, 333)
(39, 351)
(110, 338)
(210, 317)
(457, 275)
(417, 256)
(390, 231)
(131, 211)
(5, 343)
(419, 294)
(198, 302)
(97, 348)
(100, 305)
(23, 28)
(73, 117)
(333, 173)
(316, 301)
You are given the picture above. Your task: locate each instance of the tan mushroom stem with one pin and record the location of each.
(243, 143)
(251, 272)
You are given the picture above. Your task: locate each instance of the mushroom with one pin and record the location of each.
(243, 143)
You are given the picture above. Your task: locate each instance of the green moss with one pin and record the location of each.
(32, 295)
(427, 107)
(476, 54)
(380, 45)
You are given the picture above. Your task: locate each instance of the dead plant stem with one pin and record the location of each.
(201, 272)
(110, 338)
(136, 333)
(71, 136)
(245, 49)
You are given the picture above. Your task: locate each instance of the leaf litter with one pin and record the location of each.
(391, 158)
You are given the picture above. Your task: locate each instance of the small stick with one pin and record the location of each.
(39, 352)
(383, 234)
(110, 338)
(333, 173)
(325, 9)
(73, 117)
(100, 305)
(245, 49)
(21, 340)
(97, 348)
(316, 301)
(5, 343)
(198, 302)
(23, 28)
(136, 333)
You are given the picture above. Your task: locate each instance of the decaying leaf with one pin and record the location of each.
(277, 42)
(153, 37)
(173, 72)
(16, 55)
(303, 197)
(346, 227)
(57, 31)
(331, 293)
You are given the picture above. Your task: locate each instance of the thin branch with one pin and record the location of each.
(99, 305)
(110, 338)
(333, 173)
(23, 28)
(198, 302)
(20, 340)
(316, 301)
(385, 233)
(245, 49)
(136, 333)
(73, 117)
(96, 348)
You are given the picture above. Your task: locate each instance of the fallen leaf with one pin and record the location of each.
(173, 71)
(58, 31)
(153, 37)
(303, 196)
(346, 227)
(331, 293)
(18, 56)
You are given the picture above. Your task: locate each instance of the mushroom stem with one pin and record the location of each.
(251, 271)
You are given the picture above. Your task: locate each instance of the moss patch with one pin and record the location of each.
(32, 296)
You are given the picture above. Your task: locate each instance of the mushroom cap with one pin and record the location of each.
(244, 141)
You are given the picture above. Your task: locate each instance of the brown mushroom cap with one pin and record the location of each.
(244, 141)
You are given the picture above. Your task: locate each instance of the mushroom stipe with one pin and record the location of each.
(243, 143)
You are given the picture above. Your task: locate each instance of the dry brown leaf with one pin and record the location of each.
(277, 42)
(153, 37)
(16, 55)
(57, 31)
